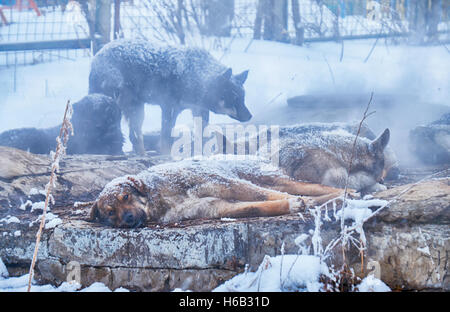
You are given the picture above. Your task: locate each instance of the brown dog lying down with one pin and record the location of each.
(210, 188)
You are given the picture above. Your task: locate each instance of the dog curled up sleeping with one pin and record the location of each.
(211, 188)
(96, 123)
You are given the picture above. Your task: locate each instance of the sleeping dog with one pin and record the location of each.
(210, 188)
(96, 123)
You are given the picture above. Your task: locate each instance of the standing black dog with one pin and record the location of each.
(135, 72)
(96, 123)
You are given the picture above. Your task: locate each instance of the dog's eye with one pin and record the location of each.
(111, 213)
(125, 197)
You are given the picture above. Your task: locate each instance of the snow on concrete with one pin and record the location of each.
(20, 284)
(372, 284)
(280, 273)
(3, 271)
(9, 219)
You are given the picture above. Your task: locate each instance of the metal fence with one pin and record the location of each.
(35, 31)
(38, 31)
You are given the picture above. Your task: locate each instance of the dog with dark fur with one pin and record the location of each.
(135, 72)
(96, 123)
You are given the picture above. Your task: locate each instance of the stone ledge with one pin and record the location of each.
(410, 239)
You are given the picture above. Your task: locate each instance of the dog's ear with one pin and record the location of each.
(242, 77)
(227, 74)
(138, 185)
(380, 143)
(94, 212)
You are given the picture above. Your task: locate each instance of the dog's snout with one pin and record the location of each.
(128, 218)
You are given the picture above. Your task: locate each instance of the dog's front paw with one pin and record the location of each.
(296, 204)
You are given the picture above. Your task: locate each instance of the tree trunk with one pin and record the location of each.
(433, 20)
(103, 24)
(179, 22)
(299, 30)
(258, 20)
(98, 17)
(219, 14)
(275, 20)
(116, 19)
(417, 20)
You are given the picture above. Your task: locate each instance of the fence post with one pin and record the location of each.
(98, 16)
(116, 33)
(103, 23)
(275, 20)
(219, 15)
(297, 19)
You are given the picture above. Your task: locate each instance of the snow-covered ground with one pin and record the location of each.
(292, 273)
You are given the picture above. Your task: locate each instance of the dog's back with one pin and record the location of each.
(33, 140)
(153, 71)
(96, 123)
(135, 72)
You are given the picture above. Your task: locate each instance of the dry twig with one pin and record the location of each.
(365, 116)
(66, 129)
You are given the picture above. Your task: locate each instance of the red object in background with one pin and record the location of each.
(31, 4)
(3, 18)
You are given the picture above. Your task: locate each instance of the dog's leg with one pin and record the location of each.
(291, 186)
(135, 122)
(238, 191)
(134, 112)
(203, 113)
(168, 120)
(258, 209)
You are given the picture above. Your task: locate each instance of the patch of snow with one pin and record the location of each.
(280, 273)
(358, 209)
(35, 191)
(96, 287)
(53, 223)
(425, 250)
(372, 284)
(181, 290)
(51, 219)
(227, 219)
(9, 219)
(39, 206)
(17, 233)
(25, 205)
(77, 204)
(20, 284)
(3, 271)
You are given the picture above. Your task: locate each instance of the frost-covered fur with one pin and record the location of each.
(322, 155)
(96, 123)
(431, 143)
(135, 72)
(391, 167)
(209, 188)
